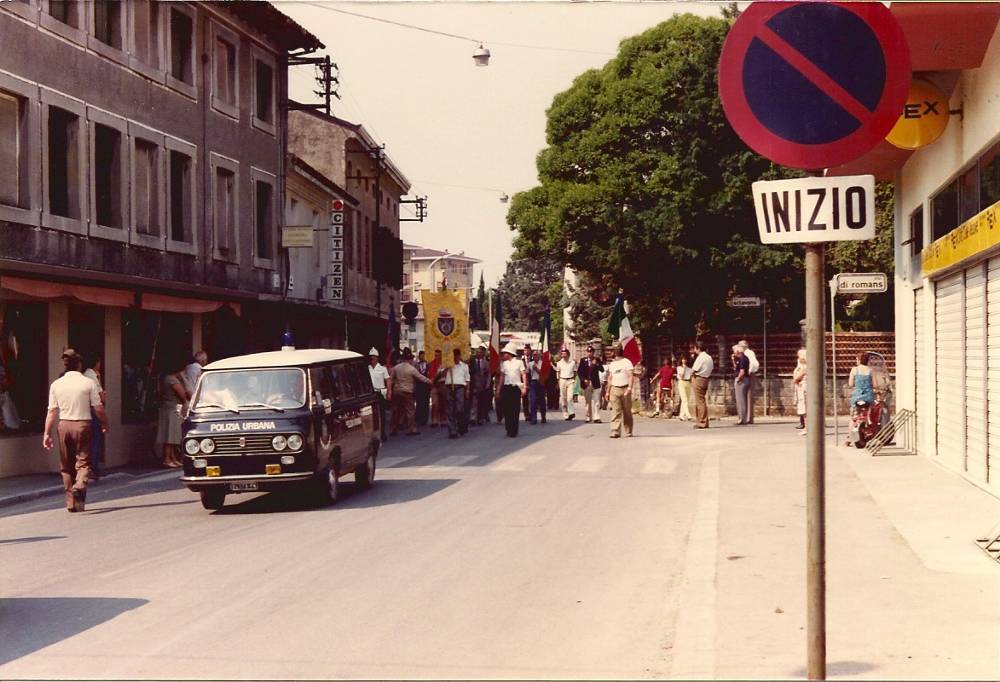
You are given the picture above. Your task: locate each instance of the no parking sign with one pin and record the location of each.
(814, 84)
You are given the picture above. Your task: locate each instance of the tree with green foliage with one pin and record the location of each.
(526, 290)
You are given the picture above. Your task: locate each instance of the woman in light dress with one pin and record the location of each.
(173, 400)
(684, 386)
(799, 381)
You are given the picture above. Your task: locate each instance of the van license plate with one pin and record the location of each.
(242, 487)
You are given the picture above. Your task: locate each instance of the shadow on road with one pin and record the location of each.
(382, 494)
(841, 668)
(104, 510)
(98, 493)
(28, 624)
(36, 538)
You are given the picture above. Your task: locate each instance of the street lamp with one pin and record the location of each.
(430, 267)
(481, 56)
(504, 198)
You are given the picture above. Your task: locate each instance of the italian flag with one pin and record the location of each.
(495, 316)
(619, 325)
(544, 346)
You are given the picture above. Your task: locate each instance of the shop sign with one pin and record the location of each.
(924, 117)
(297, 236)
(975, 236)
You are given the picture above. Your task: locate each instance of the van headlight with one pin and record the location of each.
(288, 459)
(191, 446)
(207, 446)
(295, 442)
(279, 443)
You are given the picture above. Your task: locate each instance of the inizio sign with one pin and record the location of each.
(861, 283)
(824, 209)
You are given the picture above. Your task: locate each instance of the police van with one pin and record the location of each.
(266, 421)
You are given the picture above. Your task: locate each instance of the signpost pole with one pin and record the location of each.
(763, 306)
(833, 341)
(815, 444)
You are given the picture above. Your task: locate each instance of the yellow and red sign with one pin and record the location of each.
(972, 238)
(924, 117)
(446, 324)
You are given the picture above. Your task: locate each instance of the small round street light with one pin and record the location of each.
(504, 198)
(481, 56)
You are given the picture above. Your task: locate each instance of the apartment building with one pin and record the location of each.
(429, 269)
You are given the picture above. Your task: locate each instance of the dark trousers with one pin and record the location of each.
(381, 414)
(74, 460)
(457, 422)
(536, 400)
(423, 395)
(484, 400)
(510, 404)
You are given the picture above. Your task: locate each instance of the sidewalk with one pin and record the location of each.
(909, 593)
(18, 489)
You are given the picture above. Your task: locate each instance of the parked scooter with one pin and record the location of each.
(865, 422)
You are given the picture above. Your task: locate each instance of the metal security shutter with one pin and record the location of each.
(993, 374)
(975, 372)
(949, 347)
(921, 401)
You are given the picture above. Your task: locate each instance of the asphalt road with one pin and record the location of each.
(558, 554)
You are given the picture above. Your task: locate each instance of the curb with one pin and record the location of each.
(120, 479)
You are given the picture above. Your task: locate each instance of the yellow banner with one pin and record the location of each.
(446, 324)
(976, 235)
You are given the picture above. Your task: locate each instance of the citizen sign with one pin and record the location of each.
(815, 209)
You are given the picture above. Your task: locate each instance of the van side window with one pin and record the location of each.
(361, 378)
(322, 386)
(341, 382)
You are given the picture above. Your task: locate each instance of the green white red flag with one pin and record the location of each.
(619, 326)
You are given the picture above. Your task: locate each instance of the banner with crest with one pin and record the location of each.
(446, 324)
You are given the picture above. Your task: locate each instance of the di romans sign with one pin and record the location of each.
(814, 84)
(826, 209)
(862, 283)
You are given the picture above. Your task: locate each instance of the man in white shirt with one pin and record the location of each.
(754, 367)
(193, 371)
(701, 371)
(71, 398)
(618, 390)
(381, 383)
(566, 371)
(512, 385)
(456, 382)
(536, 389)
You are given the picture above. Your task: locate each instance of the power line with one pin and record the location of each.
(455, 35)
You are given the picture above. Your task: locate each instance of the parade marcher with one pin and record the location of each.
(96, 374)
(403, 378)
(536, 389)
(701, 371)
(642, 384)
(665, 388)
(173, 398)
(381, 383)
(566, 369)
(751, 377)
(482, 385)
(71, 399)
(619, 388)
(590, 370)
(457, 383)
(741, 384)
(10, 420)
(684, 386)
(193, 371)
(799, 379)
(423, 391)
(511, 388)
(525, 355)
(439, 395)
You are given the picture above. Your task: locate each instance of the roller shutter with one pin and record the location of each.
(921, 390)
(975, 372)
(993, 374)
(949, 347)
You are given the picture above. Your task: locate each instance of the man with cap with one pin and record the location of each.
(620, 384)
(512, 386)
(482, 384)
(566, 369)
(381, 383)
(423, 392)
(536, 389)
(590, 369)
(457, 384)
(754, 366)
(402, 381)
(71, 399)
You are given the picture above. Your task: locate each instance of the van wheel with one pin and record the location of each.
(329, 486)
(213, 499)
(364, 475)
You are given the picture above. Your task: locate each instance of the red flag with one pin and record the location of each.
(619, 324)
(495, 334)
(546, 368)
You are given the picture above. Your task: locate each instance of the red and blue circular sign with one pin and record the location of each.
(814, 84)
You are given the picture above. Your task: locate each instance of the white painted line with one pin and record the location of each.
(390, 462)
(660, 465)
(516, 462)
(588, 465)
(694, 654)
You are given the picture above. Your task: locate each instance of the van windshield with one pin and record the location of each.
(263, 389)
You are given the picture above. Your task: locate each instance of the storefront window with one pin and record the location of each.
(944, 211)
(989, 178)
(968, 194)
(23, 366)
(86, 332)
(151, 343)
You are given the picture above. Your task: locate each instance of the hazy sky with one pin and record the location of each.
(462, 134)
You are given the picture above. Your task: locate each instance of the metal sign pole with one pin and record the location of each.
(833, 340)
(815, 453)
(763, 306)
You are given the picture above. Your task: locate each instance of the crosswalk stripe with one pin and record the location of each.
(589, 465)
(389, 462)
(659, 465)
(516, 462)
(455, 461)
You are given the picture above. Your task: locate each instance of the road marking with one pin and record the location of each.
(390, 462)
(588, 465)
(453, 461)
(694, 647)
(516, 462)
(660, 465)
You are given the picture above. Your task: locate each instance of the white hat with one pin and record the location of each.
(373, 351)
(509, 348)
